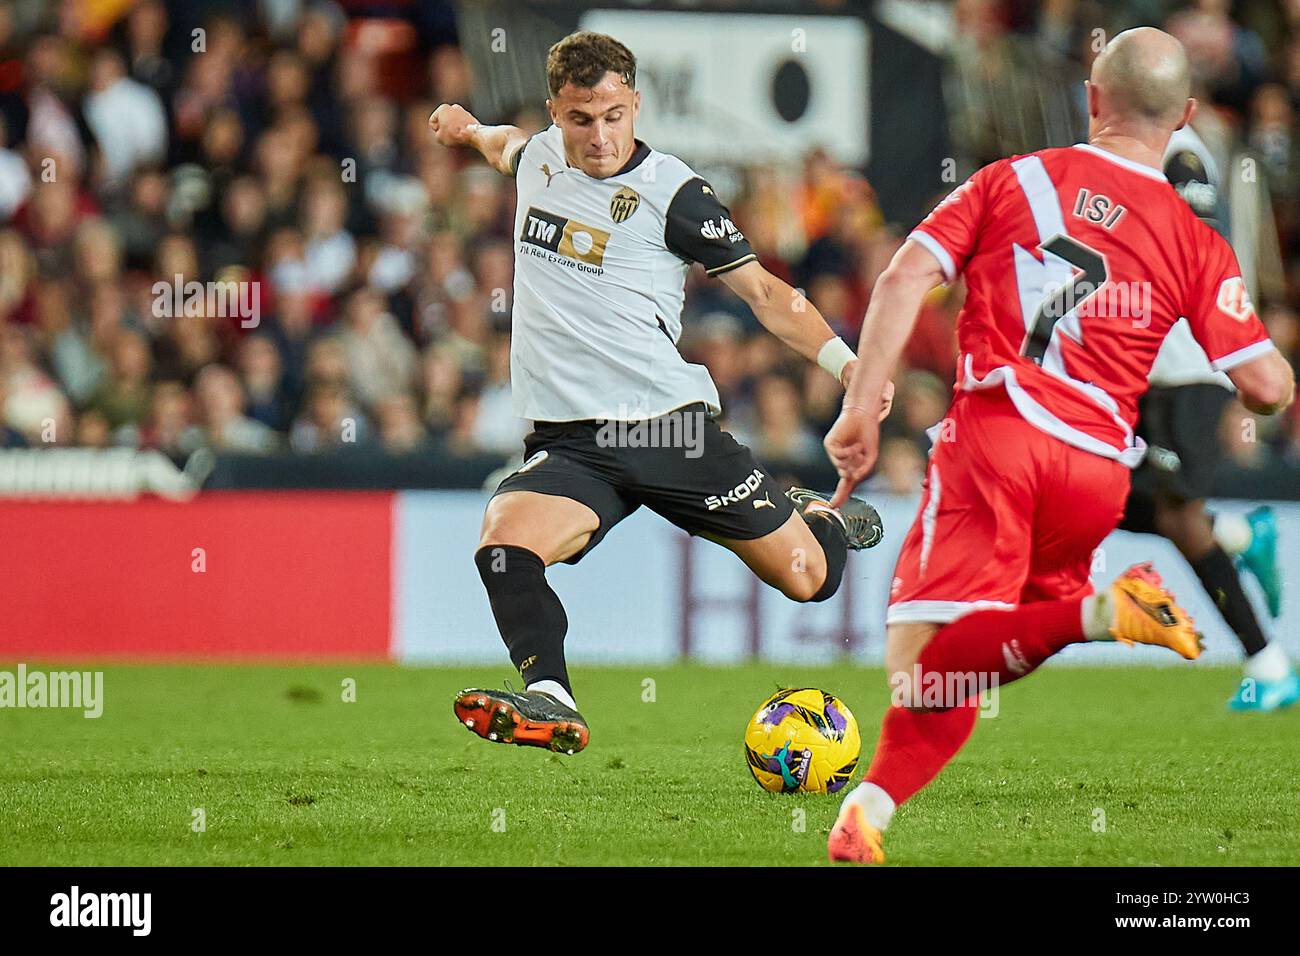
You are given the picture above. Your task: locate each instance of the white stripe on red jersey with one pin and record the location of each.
(1077, 264)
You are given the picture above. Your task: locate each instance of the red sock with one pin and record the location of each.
(1009, 644)
(914, 746)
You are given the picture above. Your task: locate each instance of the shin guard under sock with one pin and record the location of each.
(1223, 584)
(528, 613)
(835, 545)
(1002, 646)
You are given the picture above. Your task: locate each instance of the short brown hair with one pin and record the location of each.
(584, 58)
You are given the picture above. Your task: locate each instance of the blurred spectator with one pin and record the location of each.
(1273, 136)
(400, 428)
(123, 397)
(778, 432)
(140, 220)
(15, 180)
(146, 30)
(33, 405)
(498, 428)
(381, 360)
(442, 380)
(329, 420)
(126, 117)
(901, 469)
(262, 376)
(330, 252)
(221, 408)
(292, 154)
(920, 402)
(52, 134)
(169, 427)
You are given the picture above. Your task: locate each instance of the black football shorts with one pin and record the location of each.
(1184, 420)
(1180, 424)
(681, 466)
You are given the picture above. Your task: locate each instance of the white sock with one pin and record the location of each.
(556, 690)
(1268, 665)
(1232, 533)
(877, 806)
(1098, 612)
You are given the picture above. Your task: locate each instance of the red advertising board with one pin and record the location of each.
(229, 575)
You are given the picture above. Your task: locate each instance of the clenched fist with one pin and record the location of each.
(453, 125)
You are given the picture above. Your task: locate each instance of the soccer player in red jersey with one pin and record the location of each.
(1077, 262)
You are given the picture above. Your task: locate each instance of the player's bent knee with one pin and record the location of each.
(550, 551)
(805, 588)
(552, 528)
(502, 534)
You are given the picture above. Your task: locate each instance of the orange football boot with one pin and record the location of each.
(853, 839)
(1146, 613)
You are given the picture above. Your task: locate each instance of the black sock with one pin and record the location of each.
(529, 614)
(835, 545)
(1222, 583)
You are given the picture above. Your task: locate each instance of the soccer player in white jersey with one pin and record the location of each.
(1178, 420)
(605, 231)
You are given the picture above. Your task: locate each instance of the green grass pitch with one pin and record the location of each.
(287, 773)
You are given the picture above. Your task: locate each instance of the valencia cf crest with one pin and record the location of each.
(623, 204)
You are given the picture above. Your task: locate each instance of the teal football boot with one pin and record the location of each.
(1260, 559)
(1266, 696)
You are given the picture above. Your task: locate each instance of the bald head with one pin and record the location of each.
(1142, 77)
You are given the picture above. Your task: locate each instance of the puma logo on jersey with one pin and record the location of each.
(722, 229)
(738, 493)
(763, 502)
(546, 170)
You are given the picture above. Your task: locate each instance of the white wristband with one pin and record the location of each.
(834, 355)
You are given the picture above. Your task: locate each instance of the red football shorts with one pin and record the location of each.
(1008, 515)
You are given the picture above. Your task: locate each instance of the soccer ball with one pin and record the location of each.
(802, 739)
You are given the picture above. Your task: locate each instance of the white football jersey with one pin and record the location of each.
(1181, 360)
(600, 270)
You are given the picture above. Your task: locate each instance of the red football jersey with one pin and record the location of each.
(1077, 263)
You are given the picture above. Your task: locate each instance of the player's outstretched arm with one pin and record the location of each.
(854, 441)
(787, 314)
(453, 125)
(1265, 385)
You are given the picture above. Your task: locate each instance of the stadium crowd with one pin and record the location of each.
(285, 144)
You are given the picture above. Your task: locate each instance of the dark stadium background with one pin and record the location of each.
(291, 152)
(244, 173)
